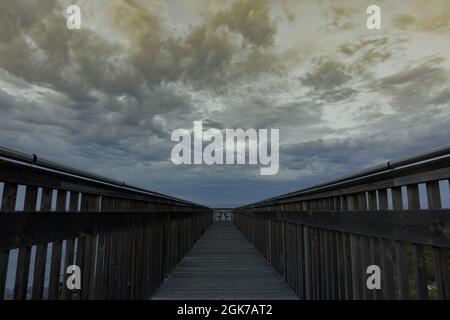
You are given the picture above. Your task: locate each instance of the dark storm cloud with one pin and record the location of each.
(329, 80)
(384, 140)
(92, 129)
(41, 50)
(100, 101)
(327, 74)
(108, 102)
(420, 86)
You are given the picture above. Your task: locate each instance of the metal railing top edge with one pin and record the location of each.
(382, 167)
(32, 159)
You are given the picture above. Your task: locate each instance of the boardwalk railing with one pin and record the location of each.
(322, 239)
(125, 240)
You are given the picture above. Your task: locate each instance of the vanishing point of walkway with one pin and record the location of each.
(224, 265)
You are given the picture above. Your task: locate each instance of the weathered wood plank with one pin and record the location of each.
(308, 265)
(440, 255)
(417, 249)
(430, 227)
(388, 278)
(224, 265)
(17, 173)
(89, 203)
(402, 270)
(37, 292)
(8, 204)
(437, 169)
(441, 270)
(355, 251)
(347, 266)
(55, 267)
(365, 258)
(68, 261)
(41, 251)
(24, 256)
(9, 197)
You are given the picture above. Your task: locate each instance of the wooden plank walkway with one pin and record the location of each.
(224, 265)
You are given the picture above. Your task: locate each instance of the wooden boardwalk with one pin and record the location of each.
(224, 265)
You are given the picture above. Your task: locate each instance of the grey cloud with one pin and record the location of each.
(109, 106)
(383, 140)
(251, 19)
(403, 21)
(422, 86)
(336, 95)
(368, 52)
(339, 17)
(258, 111)
(327, 74)
(350, 48)
(428, 72)
(327, 80)
(441, 98)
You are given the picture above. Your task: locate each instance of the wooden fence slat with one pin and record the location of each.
(434, 195)
(89, 203)
(419, 272)
(39, 272)
(413, 196)
(8, 205)
(112, 266)
(308, 272)
(73, 201)
(4, 259)
(24, 256)
(356, 266)
(316, 263)
(55, 266)
(86, 268)
(348, 287)
(99, 267)
(383, 199)
(440, 255)
(334, 268)
(79, 261)
(323, 274)
(375, 255)
(9, 197)
(300, 262)
(22, 273)
(372, 196)
(41, 252)
(397, 199)
(417, 249)
(402, 270)
(365, 258)
(400, 255)
(328, 273)
(340, 270)
(68, 261)
(441, 269)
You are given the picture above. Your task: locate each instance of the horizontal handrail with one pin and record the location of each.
(377, 170)
(33, 160)
(29, 228)
(426, 227)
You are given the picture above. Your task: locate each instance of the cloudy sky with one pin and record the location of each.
(106, 98)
